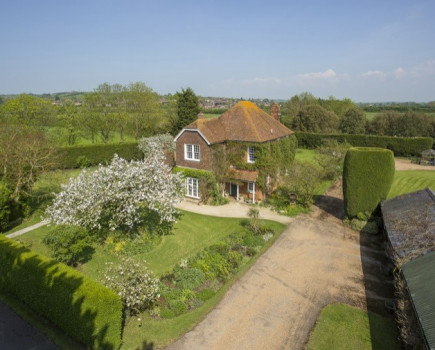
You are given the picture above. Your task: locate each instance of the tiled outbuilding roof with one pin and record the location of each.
(244, 122)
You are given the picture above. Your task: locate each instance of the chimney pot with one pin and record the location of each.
(275, 112)
(200, 115)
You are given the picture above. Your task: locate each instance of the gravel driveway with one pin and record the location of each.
(275, 305)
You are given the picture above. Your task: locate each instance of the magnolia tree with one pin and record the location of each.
(113, 195)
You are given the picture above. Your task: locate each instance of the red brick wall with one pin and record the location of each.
(243, 191)
(193, 138)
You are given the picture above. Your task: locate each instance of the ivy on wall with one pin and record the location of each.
(271, 158)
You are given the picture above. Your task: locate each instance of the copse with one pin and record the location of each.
(367, 178)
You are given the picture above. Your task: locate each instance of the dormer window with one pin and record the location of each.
(191, 152)
(251, 154)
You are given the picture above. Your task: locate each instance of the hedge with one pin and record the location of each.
(84, 309)
(401, 146)
(367, 178)
(96, 154)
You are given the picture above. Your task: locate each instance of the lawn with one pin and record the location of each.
(307, 155)
(345, 327)
(410, 181)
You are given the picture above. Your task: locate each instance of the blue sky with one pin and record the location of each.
(365, 50)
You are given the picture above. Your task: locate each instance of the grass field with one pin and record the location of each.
(343, 327)
(410, 181)
(371, 115)
(211, 115)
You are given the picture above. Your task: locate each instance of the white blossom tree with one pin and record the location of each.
(112, 196)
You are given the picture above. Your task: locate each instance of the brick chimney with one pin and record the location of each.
(275, 112)
(200, 115)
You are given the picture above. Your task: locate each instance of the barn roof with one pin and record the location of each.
(243, 122)
(409, 221)
(420, 278)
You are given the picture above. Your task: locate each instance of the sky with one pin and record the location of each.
(369, 51)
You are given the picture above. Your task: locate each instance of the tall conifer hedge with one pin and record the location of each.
(367, 178)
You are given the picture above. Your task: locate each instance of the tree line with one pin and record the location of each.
(306, 113)
(133, 110)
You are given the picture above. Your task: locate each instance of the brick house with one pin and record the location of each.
(244, 125)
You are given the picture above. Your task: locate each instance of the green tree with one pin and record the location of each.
(187, 109)
(292, 107)
(339, 107)
(303, 179)
(385, 123)
(144, 111)
(315, 118)
(353, 121)
(28, 110)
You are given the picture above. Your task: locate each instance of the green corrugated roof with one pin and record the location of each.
(420, 278)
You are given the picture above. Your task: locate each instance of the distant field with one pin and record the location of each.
(60, 136)
(410, 181)
(370, 115)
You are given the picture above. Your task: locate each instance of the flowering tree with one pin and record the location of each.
(134, 283)
(162, 141)
(112, 196)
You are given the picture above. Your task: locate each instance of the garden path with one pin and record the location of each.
(27, 229)
(314, 262)
(405, 164)
(232, 210)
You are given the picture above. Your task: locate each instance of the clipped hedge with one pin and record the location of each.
(367, 178)
(401, 146)
(86, 310)
(96, 154)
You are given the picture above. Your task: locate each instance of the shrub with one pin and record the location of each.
(205, 294)
(254, 220)
(84, 309)
(367, 178)
(134, 283)
(5, 206)
(401, 146)
(83, 162)
(177, 307)
(303, 179)
(68, 244)
(190, 278)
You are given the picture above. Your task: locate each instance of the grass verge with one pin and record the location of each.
(342, 326)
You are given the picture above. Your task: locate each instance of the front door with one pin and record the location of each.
(234, 190)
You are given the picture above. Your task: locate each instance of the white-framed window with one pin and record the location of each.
(191, 152)
(251, 154)
(251, 187)
(192, 189)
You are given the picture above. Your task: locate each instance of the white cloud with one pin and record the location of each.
(375, 74)
(327, 74)
(399, 73)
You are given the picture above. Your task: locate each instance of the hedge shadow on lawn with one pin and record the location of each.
(51, 293)
(378, 286)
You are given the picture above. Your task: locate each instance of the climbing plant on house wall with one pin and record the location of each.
(271, 158)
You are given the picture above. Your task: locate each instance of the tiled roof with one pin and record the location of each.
(243, 122)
